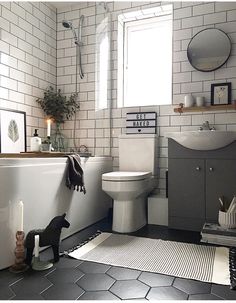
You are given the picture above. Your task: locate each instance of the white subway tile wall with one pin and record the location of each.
(35, 52)
(27, 58)
(189, 18)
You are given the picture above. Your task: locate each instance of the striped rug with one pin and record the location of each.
(198, 262)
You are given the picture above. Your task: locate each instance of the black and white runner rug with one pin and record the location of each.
(198, 262)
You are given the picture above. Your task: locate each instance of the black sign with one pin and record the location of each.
(141, 123)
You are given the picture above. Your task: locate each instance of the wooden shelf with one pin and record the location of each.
(181, 109)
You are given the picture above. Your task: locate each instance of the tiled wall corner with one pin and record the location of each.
(27, 58)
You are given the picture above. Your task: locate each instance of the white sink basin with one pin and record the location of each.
(204, 139)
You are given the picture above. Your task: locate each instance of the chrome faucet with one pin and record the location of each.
(206, 126)
(83, 148)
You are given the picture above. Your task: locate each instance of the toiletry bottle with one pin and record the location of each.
(35, 142)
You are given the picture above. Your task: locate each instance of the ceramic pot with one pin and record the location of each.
(227, 220)
(200, 101)
(188, 101)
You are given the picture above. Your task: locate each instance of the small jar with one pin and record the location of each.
(46, 147)
(200, 101)
(188, 101)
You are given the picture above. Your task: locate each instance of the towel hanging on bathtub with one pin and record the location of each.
(75, 174)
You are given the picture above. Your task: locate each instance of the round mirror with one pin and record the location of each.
(209, 49)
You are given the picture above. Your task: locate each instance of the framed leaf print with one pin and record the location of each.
(12, 131)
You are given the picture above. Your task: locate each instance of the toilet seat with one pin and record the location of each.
(125, 176)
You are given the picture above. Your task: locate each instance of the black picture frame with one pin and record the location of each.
(220, 93)
(12, 131)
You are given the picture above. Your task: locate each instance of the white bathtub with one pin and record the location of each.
(40, 184)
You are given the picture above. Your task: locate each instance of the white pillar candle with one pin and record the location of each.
(36, 246)
(21, 216)
(48, 128)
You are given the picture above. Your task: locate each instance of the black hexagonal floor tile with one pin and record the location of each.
(130, 289)
(64, 291)
(5, 292)
(64, 275)
(33, 285)
(139, 299)
(192, 287)
(93, 267)
(28, 297)
(94, 282)
(223, 291)
(155, 280)
(120, 273)
(65, 262)
(34, 274)
(7, 277)
(166, 293)
(98, 295)
(204, 297)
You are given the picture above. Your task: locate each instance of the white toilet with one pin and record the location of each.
(130, 186)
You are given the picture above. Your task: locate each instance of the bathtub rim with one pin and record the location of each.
(52, 160)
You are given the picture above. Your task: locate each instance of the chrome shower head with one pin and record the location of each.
(69, 24)
(78, 42)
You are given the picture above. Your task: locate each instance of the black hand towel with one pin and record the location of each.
(75, 174)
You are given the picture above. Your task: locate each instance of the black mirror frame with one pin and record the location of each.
(205, 71)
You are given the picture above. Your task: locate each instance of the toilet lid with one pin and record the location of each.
(125, 176)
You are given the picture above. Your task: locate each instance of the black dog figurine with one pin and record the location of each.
(48, 236)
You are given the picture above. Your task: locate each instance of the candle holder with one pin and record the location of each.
(19, 252)
(40, 265)
(37, 264)
(49, 143)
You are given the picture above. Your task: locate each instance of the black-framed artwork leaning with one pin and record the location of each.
(12, 131)
(220, 93)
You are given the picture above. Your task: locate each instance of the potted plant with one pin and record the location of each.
(59, 108)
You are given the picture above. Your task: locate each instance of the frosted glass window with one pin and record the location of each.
(147, 64)
(102, 65)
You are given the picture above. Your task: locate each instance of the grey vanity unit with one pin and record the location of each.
(196, 181)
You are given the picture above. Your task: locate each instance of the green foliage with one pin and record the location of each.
(58, 107)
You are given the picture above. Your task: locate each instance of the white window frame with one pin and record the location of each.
(125, 25)
(102, 88)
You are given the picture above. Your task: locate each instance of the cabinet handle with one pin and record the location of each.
(198, 168)
(211, 169)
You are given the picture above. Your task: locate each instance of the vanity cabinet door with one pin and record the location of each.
(186, 193)
(220, 181)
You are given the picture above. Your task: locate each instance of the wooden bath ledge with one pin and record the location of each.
(35, 155)
(42, 155)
